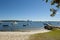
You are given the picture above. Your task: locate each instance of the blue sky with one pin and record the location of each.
(36, 10)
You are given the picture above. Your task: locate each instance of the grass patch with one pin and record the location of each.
(52, 35)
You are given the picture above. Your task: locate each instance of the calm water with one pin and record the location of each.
(27, 25)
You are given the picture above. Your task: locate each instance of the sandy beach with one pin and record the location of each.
(19, 35)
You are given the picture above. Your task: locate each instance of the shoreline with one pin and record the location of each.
(19, 35)
(26, 32)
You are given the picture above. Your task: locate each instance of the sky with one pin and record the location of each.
(35, 10)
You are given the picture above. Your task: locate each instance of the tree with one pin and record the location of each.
(53, 2)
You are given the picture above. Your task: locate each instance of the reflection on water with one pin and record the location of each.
(26, 25)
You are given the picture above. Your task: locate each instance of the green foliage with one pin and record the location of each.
(52, 2)
(46, 1)
(53, 12)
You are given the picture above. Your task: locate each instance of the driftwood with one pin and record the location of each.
(50, 27)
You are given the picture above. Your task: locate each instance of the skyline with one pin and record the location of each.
(35, 10)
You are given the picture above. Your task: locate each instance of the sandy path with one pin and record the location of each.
(18, 35)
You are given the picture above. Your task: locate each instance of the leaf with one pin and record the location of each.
(52, 15)
(53, 12)
(46, 1)
(52, 2)
(58, 5)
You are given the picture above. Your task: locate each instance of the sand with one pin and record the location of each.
(19, 35)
